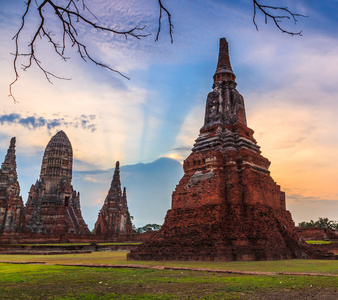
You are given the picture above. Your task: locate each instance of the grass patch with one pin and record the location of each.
(319, 242)
(63, 244)
(118, 244)
(78, 244)
(61, 282)
(119, 257)
(115, 257)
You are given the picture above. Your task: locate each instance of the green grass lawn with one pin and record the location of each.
(66, 282)
(119, 258)
(319, 242)
(78, 244)
(22, 281)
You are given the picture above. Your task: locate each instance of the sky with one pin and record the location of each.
(289, 84)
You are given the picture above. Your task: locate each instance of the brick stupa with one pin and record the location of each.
(11, 205)
(226, 206)
(53, 206)
(114, 220)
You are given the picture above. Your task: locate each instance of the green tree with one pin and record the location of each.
(320, 223)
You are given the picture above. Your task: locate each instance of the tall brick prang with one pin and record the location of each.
(226, 206)
(114, 220)
(11, 205)
(53, 206)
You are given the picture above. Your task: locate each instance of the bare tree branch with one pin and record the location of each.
(171, 26)
(277, 19)
(69, 17)
(16, 38)
(74, 12)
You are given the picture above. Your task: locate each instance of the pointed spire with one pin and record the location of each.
(10, 199)
(224, 71)
(116, 183)
(10, 157)
(12, 142)
(9, 164)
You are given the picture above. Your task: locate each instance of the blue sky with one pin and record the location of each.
(289, 85)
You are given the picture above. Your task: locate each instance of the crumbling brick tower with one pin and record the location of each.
(226, 206)
(53, 207)
(114, 220)
(11, 205)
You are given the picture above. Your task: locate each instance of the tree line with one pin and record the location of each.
(320, 223)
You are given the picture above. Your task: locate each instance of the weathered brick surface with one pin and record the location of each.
(53, 206)
(226, 206)
(314, 233)
(11, 205)
(222, 232)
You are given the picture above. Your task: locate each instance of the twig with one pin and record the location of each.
(287, 14)
(171, 26)
(68, 16)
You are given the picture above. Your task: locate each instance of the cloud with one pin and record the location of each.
(299, 199)
(11, 118)
(179, 153)
(183, 148)
(175, 156)
(93, 172)
(91, 179)
(311, 208)
(188, 133)
(34, 122)
(300, 143)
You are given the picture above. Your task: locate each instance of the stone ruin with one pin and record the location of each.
(226, 206)
(114, 219)
(52, 212)
(11, 204)
(53, 206)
